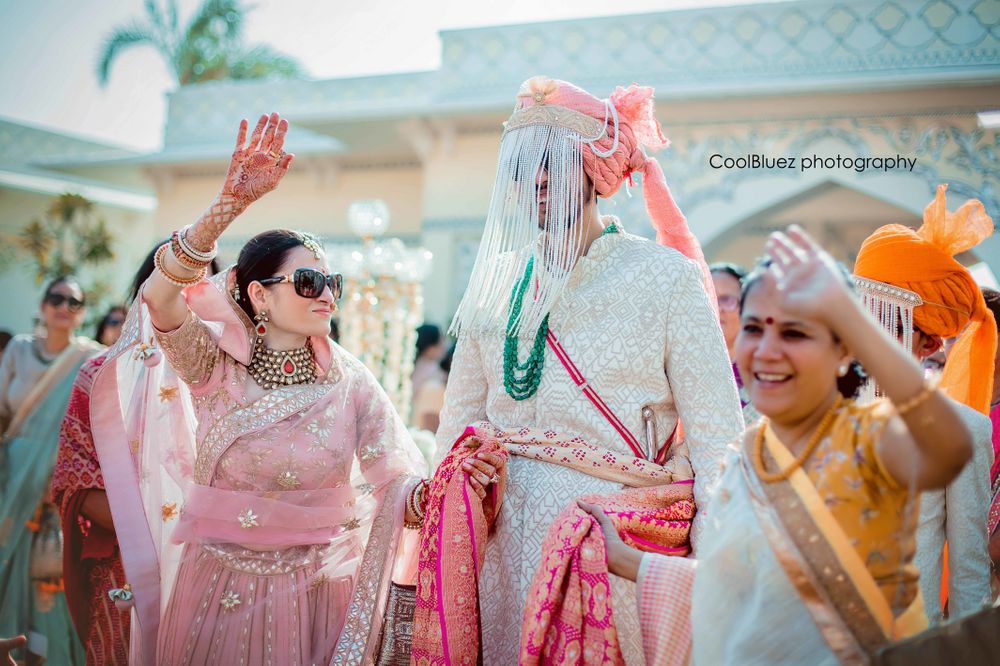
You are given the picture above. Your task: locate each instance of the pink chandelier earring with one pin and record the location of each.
(262, 320)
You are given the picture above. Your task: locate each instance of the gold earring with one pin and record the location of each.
(262, 320)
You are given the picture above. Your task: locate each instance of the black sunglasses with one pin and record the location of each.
(309, 282)
(55, 300)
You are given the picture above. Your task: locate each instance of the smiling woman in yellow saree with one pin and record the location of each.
(810, 533)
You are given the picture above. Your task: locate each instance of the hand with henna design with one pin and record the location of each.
(255, 169)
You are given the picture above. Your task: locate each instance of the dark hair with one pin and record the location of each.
(103, 324)
(5, 337)
(727, 268)
(63, 279)
(335, 331)
(850, 384)
(262, 257)
(428, 335)
(992, 298)
(146, 269)
(448, 356)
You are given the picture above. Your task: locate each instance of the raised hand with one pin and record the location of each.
(808, 279)
(258, 166)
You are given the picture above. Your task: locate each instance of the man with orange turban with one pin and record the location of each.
(913, 284)
(577, 331)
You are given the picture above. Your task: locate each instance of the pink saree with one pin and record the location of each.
(251, 530)
(456, 526)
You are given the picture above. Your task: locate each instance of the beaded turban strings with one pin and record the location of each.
(517, 233)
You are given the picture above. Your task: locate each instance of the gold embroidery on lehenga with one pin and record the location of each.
(191, 350)
(269, 409)
(230, 600)
(288, 480)
(248, 519)
(168, 511)
(264, 563)
(168, 393)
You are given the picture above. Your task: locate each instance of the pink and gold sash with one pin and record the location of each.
(568, 618)
(452, 542)
(456, 524)
(823, 566)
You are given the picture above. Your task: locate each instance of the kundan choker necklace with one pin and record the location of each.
(272, 368)
(814, 440)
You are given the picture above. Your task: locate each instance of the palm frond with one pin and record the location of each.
(263, 62)
(123, 37)
(221, 20)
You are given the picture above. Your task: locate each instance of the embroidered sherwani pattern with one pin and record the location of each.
(637, 322)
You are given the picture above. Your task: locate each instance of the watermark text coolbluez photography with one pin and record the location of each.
(810, 162)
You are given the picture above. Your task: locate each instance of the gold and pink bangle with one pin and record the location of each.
(175, 280)
(416, 501)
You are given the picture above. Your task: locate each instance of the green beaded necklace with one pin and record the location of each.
(521, 379)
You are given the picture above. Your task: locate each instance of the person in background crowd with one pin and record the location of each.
(91, 558)
(922, 295)
(36, 375)
(5, 338)
(728, 280)
(428, 402)
(430, 350)
(807, 557)
(110, 326)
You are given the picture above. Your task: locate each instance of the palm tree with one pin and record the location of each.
(210, 47)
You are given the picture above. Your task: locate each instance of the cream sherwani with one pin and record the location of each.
(637, 322)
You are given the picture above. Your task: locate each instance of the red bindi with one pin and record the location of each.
(769, 321)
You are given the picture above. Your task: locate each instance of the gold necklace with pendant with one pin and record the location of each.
(272, 368)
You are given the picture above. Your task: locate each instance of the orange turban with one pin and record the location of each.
(923, 262)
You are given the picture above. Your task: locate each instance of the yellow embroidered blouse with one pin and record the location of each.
(878, 514)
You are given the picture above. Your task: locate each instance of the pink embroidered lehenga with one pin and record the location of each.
(256, 531)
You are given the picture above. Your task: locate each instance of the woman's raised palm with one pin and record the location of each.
(808, 278)
(257, 167)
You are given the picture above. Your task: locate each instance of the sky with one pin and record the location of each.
(49, 50)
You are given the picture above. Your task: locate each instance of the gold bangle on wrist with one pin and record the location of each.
(917, 400)
(170, 277)
(184, 258)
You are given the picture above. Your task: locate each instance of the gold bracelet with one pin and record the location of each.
(184, 259)
(170, 277)
(917, 400)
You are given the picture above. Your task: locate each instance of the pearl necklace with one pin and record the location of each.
(272, 368)
(814, 440)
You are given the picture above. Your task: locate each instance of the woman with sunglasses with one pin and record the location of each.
(275, 475)
(36, 375)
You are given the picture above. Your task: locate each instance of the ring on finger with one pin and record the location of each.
(495, 478)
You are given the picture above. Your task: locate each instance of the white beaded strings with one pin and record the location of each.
(512, 235)
(892, 308)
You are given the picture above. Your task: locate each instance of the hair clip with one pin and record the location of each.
(312, 245)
